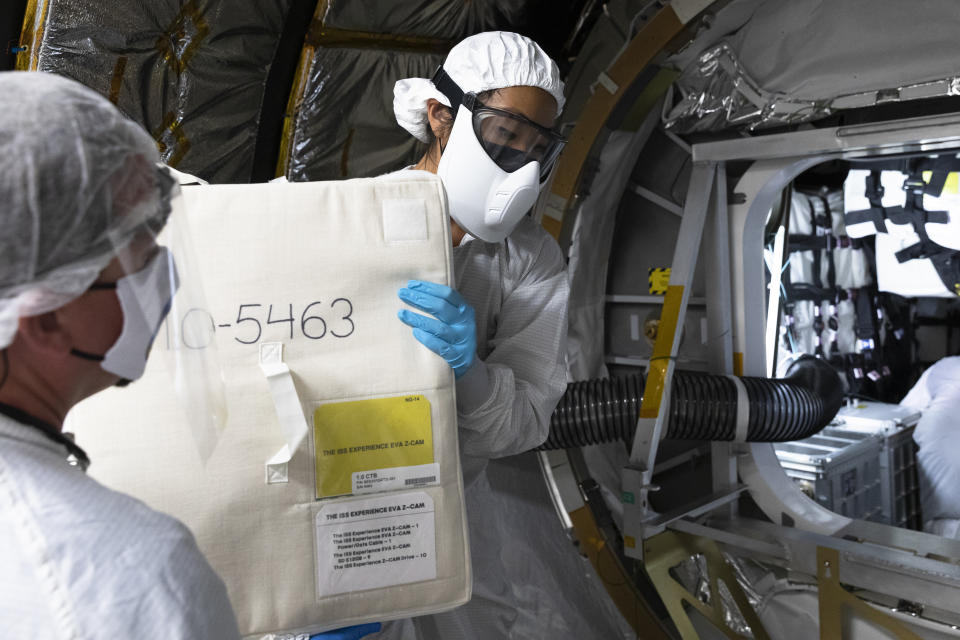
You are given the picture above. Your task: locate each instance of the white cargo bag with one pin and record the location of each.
(912, 278)
(365, 520)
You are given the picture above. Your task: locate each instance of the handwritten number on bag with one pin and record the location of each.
(197, 326)
(196, 329)
(241, 318)
(345, 318)
(289, 319)
(304, 319)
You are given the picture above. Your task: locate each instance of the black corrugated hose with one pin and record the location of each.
(702, 407)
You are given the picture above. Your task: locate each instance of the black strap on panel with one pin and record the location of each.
(825, 229)
(866, 328)
(821, 243)
(803, 291)
(876, 213)
(907, 215)
(866, 215)
(912, 211)
(939, 170)
(937, 180)
(815, 221)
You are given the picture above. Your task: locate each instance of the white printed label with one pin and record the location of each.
(374, 543)
(413, 477)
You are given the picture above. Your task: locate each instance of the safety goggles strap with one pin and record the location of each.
(448, 87)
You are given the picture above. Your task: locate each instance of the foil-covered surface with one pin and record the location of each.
(345, 125)
(694, 575)
(716, 93)
(342, 125)
(452, 19)
(192, 73)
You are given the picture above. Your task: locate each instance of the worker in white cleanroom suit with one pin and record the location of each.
(937, 396)
(84, 288)
(487, 118)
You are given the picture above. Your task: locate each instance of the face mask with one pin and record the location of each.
(484, 199)
(145, 298)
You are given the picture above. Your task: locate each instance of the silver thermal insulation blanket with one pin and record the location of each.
(450, 19)
(334, 493)
(765, 63)
(342, 125)
(192, 73)
(345, 125)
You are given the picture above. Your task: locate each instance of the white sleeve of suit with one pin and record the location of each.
(937, 395)
(918, 398)
(88, 562)
(505, 401)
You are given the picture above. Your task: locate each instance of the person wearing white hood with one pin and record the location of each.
(85, 283)
(936, 395)
(487, 118)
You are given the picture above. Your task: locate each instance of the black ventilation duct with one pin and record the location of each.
(703, 407)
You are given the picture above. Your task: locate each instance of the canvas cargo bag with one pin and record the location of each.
(333, 495)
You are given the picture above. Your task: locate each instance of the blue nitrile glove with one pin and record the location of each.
(348, 633)
(451, 333)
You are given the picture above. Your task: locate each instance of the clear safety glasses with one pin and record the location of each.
(510, 139)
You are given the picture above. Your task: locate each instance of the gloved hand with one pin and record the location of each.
(349, 633)
(451, 333)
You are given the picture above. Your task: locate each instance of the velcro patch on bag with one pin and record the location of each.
(404, 221)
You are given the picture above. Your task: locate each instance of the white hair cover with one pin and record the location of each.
(482, 62)
(77, 178)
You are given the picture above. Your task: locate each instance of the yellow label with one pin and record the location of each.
(659, 280)
(367, 435)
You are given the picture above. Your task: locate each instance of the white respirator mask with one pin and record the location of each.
(493, 164)
(484, 199)
(145, 298)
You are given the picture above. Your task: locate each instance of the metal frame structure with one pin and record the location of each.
(802, 536)
(665, 23)
(728, 237)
